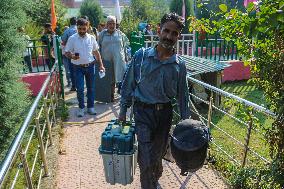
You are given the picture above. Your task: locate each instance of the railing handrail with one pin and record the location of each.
(211, 47)
(14, 147)
(155, 35)
(239, 99)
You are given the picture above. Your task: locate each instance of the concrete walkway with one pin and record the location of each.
(81, 167)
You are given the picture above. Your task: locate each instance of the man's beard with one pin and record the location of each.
(167, 44)
(82, 34)
(111, 29)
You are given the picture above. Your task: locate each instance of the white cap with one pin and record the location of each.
(111, 18)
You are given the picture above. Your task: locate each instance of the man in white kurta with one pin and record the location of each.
(113, 44)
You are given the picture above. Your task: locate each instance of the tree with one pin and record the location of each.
(176, 6)
(93, 10)
(129, 22)
(150, 11)
(207, 8)
(258, 33)
(13, 94)
(38, 11)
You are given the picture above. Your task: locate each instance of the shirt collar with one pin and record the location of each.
(153, 52)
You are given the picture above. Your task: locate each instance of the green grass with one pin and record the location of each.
(239, 131)
(21, 183)
(61, 114)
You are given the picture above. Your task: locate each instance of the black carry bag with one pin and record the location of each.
(103, 85)
(189, 143)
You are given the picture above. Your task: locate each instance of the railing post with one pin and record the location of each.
(201, 47)
(220, 49)
(56, 88)
(53, 107)
(47, 121)
(41, 145)
(182, 45)
(187, 47)
(224, 49)
(232, 52)
(26, 170)
(218, 85)
(236, 55)
(49, 56)
(36, 56)
(193, 44)
(206, 45)
(215, 45)
(247, 139)
(211, 49)
(210, 111)
(228, 49)
(58, 51)
(177, 47)
(196, 44)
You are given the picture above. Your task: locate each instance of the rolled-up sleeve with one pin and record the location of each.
(127, 88)
(95, 44)
(183, 94)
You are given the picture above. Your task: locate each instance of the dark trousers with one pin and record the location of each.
(152, 128)
(88, 74)
(49, 63)
(72, 74)
(27, 61)
(69, 69)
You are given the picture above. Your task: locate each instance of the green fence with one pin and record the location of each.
(38, 57)
(41, 58)
(214, 48)
(200, 45)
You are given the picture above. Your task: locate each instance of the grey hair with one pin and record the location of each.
(111, 18)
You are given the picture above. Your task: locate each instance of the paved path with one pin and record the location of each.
(82, 168)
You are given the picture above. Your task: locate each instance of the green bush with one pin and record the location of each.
(176, 6)
(150, 11)
(33, 30)
(13, 94)
(39, 11)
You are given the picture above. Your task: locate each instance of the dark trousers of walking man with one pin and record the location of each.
(152, 126)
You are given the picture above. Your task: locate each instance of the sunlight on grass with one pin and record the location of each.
(238, 131)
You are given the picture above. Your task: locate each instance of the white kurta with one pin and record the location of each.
(112, 47)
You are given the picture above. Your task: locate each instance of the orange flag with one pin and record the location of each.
(53, 16)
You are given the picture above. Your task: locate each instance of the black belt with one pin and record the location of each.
(85, 65)
(158, 106)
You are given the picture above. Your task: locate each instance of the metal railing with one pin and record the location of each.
(38, 57)
(25, 162)
(209, 47)
(37, 126)
(243, 152)
(184, 44)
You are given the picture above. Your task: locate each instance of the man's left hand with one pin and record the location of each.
(102, 68)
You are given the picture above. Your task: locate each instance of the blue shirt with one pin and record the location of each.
(152, 81)
(68, 33)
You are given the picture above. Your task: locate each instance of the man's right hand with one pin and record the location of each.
(122, 118)
(75, 57)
